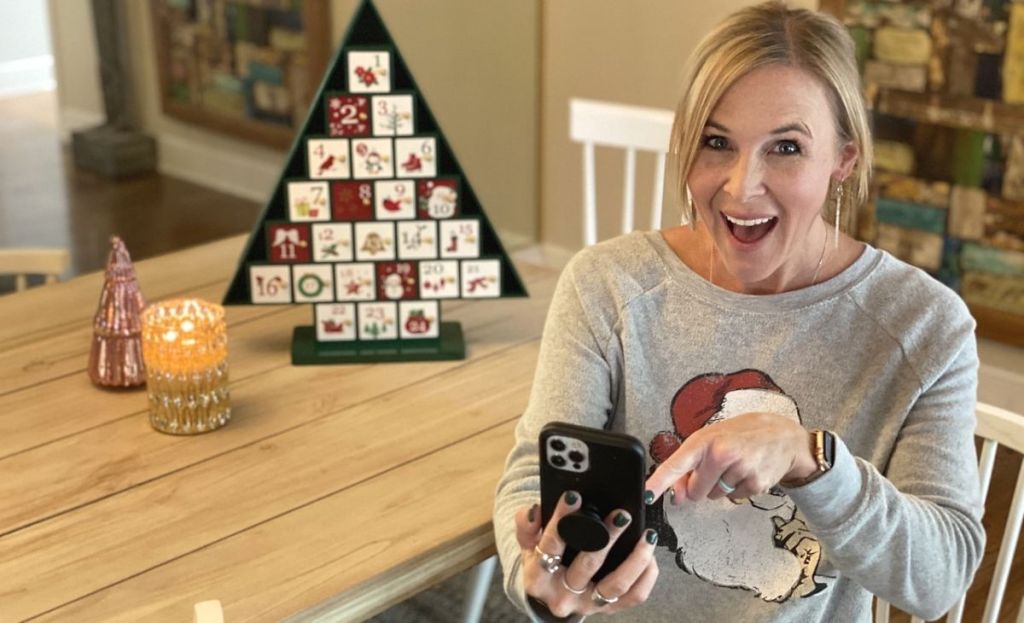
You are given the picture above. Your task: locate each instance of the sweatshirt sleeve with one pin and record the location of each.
(912, 536)
(573, 383)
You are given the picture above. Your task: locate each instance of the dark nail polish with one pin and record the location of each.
(571, 497)
(532, 514)
(651, 536)
(620, 520)
(648, 497)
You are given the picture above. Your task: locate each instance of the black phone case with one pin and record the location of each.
(615, 479)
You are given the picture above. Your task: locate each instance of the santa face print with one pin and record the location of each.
(761, 177)
(759, 545)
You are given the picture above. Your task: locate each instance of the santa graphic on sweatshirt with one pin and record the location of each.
(757, 544)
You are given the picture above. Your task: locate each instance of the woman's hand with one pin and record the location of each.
(739, 457)
(571, 590)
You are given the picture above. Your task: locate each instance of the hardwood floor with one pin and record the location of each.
(44, 201)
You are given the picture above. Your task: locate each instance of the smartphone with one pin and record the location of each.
(607, 470)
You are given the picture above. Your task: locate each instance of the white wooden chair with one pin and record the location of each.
(632, 128)
(476, 594)
(996, 427)
(22, 262)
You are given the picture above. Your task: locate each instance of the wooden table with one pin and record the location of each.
(335, 488)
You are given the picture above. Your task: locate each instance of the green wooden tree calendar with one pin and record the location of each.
(372, 220)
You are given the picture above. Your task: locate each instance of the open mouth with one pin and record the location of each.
(749, 231)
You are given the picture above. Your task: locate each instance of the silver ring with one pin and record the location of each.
(724, 486)
(572, 590)
(672, 496)
(546, 561)
(600, 600)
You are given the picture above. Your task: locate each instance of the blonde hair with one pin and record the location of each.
(765, 34)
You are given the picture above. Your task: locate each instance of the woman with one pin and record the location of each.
(807, 400)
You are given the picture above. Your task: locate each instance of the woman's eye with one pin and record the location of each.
(788, 148)
(716, 142)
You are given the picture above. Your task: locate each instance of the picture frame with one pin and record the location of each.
(246, 68)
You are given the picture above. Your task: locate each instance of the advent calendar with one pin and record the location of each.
(372, 222)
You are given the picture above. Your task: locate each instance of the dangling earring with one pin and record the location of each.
(689, 212)
(839, 203)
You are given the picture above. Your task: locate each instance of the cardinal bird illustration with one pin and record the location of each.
(479, 282)
(326, 164)
(366, 76)
(413, 163)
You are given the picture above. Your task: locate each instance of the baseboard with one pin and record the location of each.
(75, 119)
(229, 172)
(546, 254)
(1000, 387)
(514, 241)
(26, 75)
(1001, 375)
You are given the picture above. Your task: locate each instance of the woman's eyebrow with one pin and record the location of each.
(794, 127)
(791, 127)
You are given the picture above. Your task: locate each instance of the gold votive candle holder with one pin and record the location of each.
(185, 349)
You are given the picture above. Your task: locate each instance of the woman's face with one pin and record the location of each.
(762, 174)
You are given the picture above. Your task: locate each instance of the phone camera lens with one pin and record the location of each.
(576, 456)
(558, 460)
(558, 445)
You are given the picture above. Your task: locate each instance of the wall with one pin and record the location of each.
(628, 52)
(23, 30)
(26, 64)
(476, 62)
(1001, 375)
(75, 64)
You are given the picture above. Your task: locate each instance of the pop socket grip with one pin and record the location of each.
(583, 530)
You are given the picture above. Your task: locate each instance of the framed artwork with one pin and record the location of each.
(248, 68)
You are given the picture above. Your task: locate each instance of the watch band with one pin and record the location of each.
(823, 448)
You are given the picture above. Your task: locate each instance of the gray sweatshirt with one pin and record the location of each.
(881, 354)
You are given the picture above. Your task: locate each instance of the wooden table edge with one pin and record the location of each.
(387, 589)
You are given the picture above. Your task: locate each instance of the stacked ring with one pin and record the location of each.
(572, 590)
(546, 561)
(724, 486)
(600, 600)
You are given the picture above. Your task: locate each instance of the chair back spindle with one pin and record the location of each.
(632, 129)
(996, 427)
